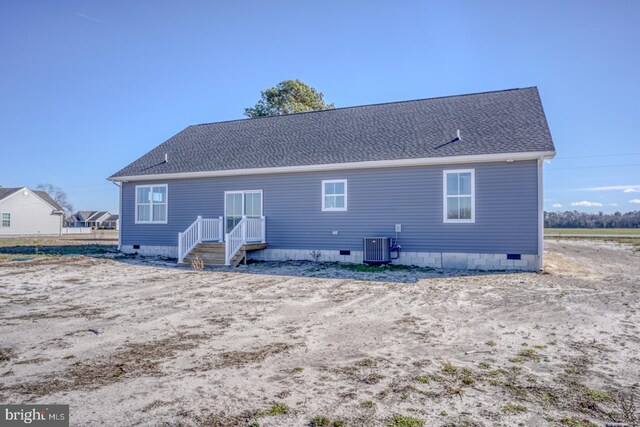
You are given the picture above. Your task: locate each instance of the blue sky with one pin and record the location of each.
(89, 86)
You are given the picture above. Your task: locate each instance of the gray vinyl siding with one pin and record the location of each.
(506, 202)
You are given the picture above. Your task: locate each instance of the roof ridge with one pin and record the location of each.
(365, 105)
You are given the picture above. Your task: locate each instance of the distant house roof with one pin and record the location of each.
(97, 215)
(508, 121)
(113, 218)
(6, 192)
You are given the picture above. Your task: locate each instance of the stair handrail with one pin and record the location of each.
(189, 238)
(234, 240)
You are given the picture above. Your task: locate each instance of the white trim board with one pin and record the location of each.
(429, 161)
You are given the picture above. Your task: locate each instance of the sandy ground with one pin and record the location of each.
(130, 342)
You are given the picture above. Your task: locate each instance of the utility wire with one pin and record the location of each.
(594, 167)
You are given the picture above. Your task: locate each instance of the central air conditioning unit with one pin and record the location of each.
(376, 250)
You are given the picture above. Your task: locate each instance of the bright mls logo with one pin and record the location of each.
(34, 415)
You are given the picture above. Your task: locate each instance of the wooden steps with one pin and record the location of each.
(213, 253)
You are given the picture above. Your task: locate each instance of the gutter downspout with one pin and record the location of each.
(540, 214)
(119, 222)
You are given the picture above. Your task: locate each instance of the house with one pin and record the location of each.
(95, 219)
(111, 222)
(26, 212)
(457, 179)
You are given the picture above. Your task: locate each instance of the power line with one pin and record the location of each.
(594, 167)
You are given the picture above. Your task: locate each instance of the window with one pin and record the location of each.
(6, 220)
(151, 204)
(459, 195)
(334, 195)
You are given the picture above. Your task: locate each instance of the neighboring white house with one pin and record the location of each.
(25, 212)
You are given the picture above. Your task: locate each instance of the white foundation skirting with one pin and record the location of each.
(449, 260)
(458, 261)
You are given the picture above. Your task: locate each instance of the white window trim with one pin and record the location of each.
(334, 181)
(166, 186)
(2, 219)
(473, 196)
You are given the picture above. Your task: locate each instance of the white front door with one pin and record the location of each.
(241, 203)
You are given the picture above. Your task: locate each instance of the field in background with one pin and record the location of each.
(593, 231)
(100, 241)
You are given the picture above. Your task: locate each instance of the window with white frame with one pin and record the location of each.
(459, 195)
(151, 204)
(6, 219)
(334, 195)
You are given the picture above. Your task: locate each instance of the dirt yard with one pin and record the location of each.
(126, 341)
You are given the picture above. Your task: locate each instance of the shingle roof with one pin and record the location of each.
(6, 192)
(508, 121)
(97, 215)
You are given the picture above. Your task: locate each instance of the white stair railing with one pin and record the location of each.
(209, 229)
(248, 230)
(256, 229)
(234, 240)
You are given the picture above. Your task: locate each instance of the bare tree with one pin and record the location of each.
(59, 196)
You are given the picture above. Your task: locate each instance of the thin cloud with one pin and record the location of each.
(625, 188)
(635, 201)
(587, 204)
(613, 204)
(82, 15)
(556, 205)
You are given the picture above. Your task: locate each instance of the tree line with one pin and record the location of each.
(575, 219)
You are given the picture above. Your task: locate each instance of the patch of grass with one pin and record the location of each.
(516, 360)
(540, 347)
(520, 392)
(297, 370)
(491, 343)
(320, 421)
(599, 395)
(443, 413)
(405, 421)
(455, 391)
(369, 268)
(576, 422)
(367, 404)
(512, 409)
(484, 365)
(70, 356)
(496, 372)
(529, 354)
(278, 409)
(422, 380)
(468, 381)
(367, 363)
(449, 368)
